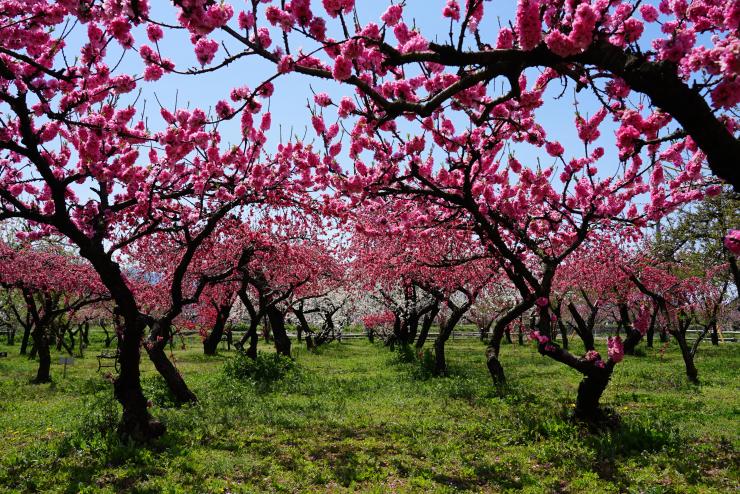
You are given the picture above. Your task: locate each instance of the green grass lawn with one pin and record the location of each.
(353, 417)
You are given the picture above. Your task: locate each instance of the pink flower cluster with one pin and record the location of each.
(392, 15)
(336, 7)
(580, 36)
(205, 50)
(732, 242)
(615, 349)
(528, 24)
(452, 10)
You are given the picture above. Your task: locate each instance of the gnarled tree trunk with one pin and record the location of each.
(280, 335)
(158, 339)
(210, 344)
(426, 325)
(590, 390)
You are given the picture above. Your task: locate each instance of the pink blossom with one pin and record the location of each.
(336, 7)
(528, 23)
(560, 44)
(475, 15)
(317, 28)
(223, 109)
(318, 124)
(615, 349)
(649, 12)
(154, 33)
(263, 37)
(266, 121)
(588, 130)
(285, 64)
(342, 68)
(153, 72)
(554, 148)
(542, 302)
(642, 321)
(322, 99)
(346, 107)
(732, 241)
(540, 338)
(415, 44)
(592, 356)
(205, 50)
(218, 15)
(452, 10)
(246, 20)
(392, 15)
(505, 39)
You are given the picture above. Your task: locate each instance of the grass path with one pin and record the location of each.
(353, 418)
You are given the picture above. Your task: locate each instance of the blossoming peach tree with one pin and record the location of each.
(452, 118)
(77, 161)
(450, 122)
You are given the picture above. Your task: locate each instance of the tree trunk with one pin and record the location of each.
(563, 332)
(210, 344)
(158, 339)
(494, 365)
(136, 422)
(507, 333)
(108, 337)
(85, 328)
(714, 335)
(303, 327)
(440, 364)
(413, 327)
(589, 393)
(426, 325)
(688, 359)
(41, 341)
(583, 328)
(492, 355)
(277, 323)
(24, 340)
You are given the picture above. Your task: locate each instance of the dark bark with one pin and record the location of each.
(584, 328)
(520, 335)
(651, 327)
(590, 389)
(280, 335)
(714, 334)
(564, 333)
(210, 344)
(24, 340)
(561, 325)
(495, 368)
(109, 337)
(688, 358)
(160, 335)
(303, 326)
(440, 362)
(413, 327)
(426, 325)
(136, 422)
(735, 272)
(41, 342)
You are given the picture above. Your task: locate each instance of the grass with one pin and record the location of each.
(356, 418)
